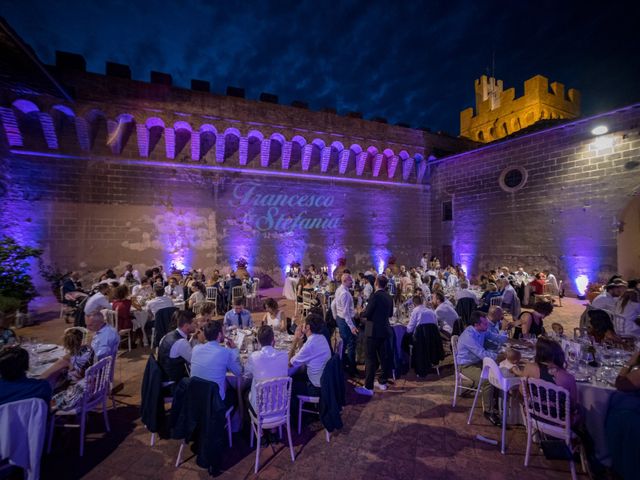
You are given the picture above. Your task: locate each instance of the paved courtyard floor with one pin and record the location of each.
(408, 432)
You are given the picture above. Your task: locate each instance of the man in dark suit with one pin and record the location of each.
(376, 316)
(228, 286)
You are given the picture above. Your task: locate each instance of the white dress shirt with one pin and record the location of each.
(264, 364)
(630, 313)
(176, 293)
(421, 315)
(446, 315)
(605, 301)
(211, 361)
(342, 306)
(181, 348)
(315, 354)
(158, 303)
(508, 295)
(367, 290)
(97, 301)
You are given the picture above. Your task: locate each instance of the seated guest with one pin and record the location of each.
(238, 316)
(211, 361)
(159, 302)
(497, 323)
(198, 294)
(99, 300)
(473, 347)
(273, 315)
(7, 335)
(530, 323)
(265, 363)
(78, 358)
(420, 315)
(508, 295)
(14, 384)
(537, 285)
(174, 351)
(490, 292)
(303, 286)
(72, 288)
(464, 292)
(548, 365)
(613, 291)
(623, 421)
(445, 313)
(313, 355)
(600, 327)
(366, 289)
(230, 284)
(628, 305)
(105, 339)
(144, 291)
(122, 304)
(174, 291)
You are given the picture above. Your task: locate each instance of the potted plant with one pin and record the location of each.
(16, 286)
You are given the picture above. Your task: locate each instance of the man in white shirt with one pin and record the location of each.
(343, 311)
(161, 301)
(313, 355)
(464, 292)
(174, 351)
(424, 262)
(143, 290)
(106, 339)
(607, 300)
(98, 301)
(420, 315)
(508, 294)
(174, 291)
(266, 363)
(211, 361)
(445, 313)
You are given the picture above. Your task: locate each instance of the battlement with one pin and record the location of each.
(498, 113)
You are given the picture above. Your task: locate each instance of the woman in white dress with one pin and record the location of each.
(273, 315)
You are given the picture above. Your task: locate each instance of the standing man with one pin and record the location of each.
(343, 311)
(379, 310)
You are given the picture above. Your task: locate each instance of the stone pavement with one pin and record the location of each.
(408, 432)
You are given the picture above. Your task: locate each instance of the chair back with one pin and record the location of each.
(454, 352)
(254, 287)
(497, 301)
(548, 289)
(580, 332)
(85, 333)
(97, 382)
(618, 323)
(212, 293)
(237, 292)
(491, 371)
(111, 318)
(273, 397)
(307, 300)
(547, 407)
(198, 307)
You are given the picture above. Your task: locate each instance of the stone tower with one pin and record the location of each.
(498, 113)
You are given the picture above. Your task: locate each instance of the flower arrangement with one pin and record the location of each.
(342, 262)
(242, 263)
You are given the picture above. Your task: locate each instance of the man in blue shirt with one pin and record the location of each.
(238, 316)
(473, 346)
(14, 384)
(212, 360)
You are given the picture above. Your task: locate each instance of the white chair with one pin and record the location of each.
(212, 294)
(560, 293)
(111, 317)
(85, 333)
(63, 307)
(497, 301)
(252, 295)
(273, 403)
(307, 302)
(458, 376)
(618, 323)
(198, 307)
(22, 430)
(96, 390)
(548, 411)
(237, 292)
(491, 373)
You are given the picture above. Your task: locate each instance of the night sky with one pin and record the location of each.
(407, 61)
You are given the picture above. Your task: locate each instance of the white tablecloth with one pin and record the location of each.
(289, 288)
(595, 398)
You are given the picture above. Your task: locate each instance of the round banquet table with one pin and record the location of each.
(289, 288)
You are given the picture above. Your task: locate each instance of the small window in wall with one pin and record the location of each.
(513, 179)
(447, 211)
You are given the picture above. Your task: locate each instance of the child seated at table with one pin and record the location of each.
(558, 329)
(512, 360)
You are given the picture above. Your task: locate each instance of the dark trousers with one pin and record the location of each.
(377, 355)
(349, 342)
(301, 385)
